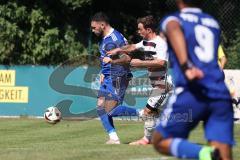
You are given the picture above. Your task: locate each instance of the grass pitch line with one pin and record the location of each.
(157, 158)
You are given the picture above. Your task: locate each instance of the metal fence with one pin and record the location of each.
(226, 12)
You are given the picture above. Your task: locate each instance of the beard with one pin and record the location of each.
(99, 34)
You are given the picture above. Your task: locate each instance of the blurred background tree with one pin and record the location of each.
(49, 32)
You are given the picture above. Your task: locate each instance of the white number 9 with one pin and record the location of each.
(205, 39)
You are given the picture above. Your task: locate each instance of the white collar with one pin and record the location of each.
(109, 33)
(157, 36)
(194, 10)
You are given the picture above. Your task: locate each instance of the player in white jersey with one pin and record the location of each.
(153, 56)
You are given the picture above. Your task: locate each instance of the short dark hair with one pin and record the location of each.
(100, 17)
(148, 22)
(193, 3)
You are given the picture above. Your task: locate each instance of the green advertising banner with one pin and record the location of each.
(29, 90)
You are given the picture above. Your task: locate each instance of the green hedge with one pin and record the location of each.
(49, 32)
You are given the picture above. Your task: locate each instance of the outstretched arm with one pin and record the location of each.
(124, 59)
(125, 49)
(156, 63)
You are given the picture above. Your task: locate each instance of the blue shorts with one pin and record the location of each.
(184, 110)
(114, 87)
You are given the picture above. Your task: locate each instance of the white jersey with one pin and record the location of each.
(155, 49)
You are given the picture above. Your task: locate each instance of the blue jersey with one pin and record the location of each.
(109, 42)
(202, 34)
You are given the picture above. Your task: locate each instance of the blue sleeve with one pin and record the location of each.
(121, 40)
(114, 41)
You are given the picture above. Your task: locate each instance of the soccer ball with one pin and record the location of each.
(52, 115)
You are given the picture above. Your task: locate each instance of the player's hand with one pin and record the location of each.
(107, 60)
(101, 78)
(135, 62)
(114, 51)
(194, 73)
(147, 111)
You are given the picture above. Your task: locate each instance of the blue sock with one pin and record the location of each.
(123, 111)
(107, 121)
(181, 148)
(111, 121)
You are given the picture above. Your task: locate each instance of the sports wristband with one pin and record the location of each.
(187, 65)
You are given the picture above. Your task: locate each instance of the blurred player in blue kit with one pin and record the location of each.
(193, 38)
(114, 78)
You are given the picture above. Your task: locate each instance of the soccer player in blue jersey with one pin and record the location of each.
(152, 54)
(193, 38)
(114, 78)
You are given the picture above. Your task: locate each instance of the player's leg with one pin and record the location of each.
(149, 125)
(110, 105)
(123, 110)
(150, 114)
(183, 112)
(116, 91)
(105, 101)
(161, 144)
(181, 148)
(224, 149)
(121, 84)
(104, 117)
(106, 120)
(219, 127)
(113, 137)
(154, 107)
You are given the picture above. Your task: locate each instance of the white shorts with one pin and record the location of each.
(157, 97)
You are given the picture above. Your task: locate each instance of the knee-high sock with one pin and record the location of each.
(182, 148)
(106, 120)
(149, 126)
(122, 110)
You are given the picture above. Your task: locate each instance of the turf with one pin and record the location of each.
(34, 139)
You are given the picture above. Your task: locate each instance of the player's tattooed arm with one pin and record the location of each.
(114, 51)
(125, 49)
(128, 48)
(156, 63)
(123, 59)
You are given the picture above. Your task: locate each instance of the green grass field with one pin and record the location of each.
(34, 139)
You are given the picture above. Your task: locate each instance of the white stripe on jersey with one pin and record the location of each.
(158, 46)
(113, 37)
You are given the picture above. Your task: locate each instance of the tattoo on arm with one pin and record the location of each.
(124, 59)
(128, 48)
